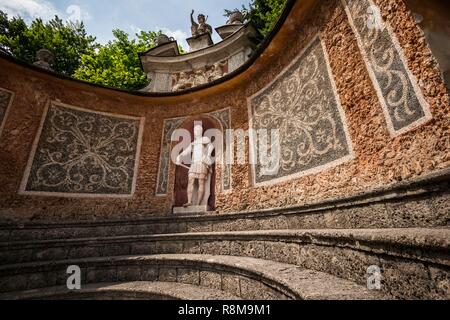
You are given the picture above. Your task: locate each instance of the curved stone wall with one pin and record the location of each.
(355, 115)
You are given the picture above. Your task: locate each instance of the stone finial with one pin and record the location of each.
(44, 59)
(201, 27)
(162, 39)
(237, 17)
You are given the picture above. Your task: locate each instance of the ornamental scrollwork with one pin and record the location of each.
(302, 106)
(83, 152)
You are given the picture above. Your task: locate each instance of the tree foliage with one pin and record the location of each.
(263, 13)
(116, 64)
(67, 41)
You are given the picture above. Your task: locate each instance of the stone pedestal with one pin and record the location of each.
(191, 209)
(227, 30)
(199, 42)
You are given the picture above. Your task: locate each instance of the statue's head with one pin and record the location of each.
(45, 55)
(201, 18)
(198, 129)
(183, 75)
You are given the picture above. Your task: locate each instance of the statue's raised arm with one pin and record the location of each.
(194, 25)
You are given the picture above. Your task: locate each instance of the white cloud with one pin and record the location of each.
(29, 9)
(32, 9)
(178, 35)
(77, 14)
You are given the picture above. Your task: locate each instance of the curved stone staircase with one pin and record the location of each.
(315, 252)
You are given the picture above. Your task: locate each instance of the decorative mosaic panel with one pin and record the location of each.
(84, 153)
(303, 105)
(170, 125)
(224, 117)
(6, 98)
(400, 97)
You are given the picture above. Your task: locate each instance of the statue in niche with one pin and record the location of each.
(200, 171)
(201, 27)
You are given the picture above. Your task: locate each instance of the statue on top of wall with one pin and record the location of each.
(201, 27)
(44, 59)
(200, 151)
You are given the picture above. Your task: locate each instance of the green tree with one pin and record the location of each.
(263, 13)
(67, 41)
(116, 64)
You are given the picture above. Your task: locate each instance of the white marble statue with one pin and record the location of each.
(200, 171)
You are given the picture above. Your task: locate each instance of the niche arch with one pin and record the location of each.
(180, 174)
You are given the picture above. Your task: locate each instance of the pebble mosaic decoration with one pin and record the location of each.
(224, 117)
(170, 125)
(303, 105)
(402, 101)
(80, 152)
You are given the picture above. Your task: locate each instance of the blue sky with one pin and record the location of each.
(101, 16)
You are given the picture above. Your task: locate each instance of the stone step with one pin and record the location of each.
(401, 206)
(244, 277)
(414, 263)
(139, 290)
(428, 245)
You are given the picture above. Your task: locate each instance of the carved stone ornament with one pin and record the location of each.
(198, 77)
(237, 17)
(162, 39)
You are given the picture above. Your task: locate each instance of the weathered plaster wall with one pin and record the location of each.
(379, 157)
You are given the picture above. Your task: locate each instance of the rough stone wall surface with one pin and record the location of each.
(380, 159)
(5, 101)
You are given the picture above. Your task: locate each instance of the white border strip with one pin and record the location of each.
(420, 98)
(8, 108)
(160, 157)
(24, 182)
(224, 136)
(314, 170)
